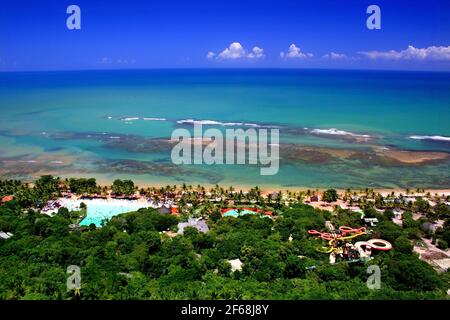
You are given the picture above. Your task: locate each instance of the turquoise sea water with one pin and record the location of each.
(104, 123)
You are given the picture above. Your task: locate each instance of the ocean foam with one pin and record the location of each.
(337, 132)
(213, 122)
(202, 122)
(232, 124)
(252, 125)
(130, 119)
(154, 119)
(435, 138)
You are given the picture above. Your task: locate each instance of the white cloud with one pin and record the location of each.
(256, 53)
(411, 53)
(106, 60)
(295, 52)
(335, 56)
(236, 51)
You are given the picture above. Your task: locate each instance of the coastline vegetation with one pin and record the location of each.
(138, 255)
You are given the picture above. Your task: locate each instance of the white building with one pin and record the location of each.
(5, 235)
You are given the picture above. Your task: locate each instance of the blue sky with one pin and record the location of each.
(179, 34)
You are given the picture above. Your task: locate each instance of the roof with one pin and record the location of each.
(7, 198)
(236, 264)
(273, 194)
(372, 221)
(428, 226)
(5, 235)
(198, 224)
(164, 209)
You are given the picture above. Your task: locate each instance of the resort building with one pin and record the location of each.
(6, 199)
(199, 224)
(409, 200)
(429, 227)
(5, 235)
(398, 215)
(372, 221)
(164, 209)
(236, 265)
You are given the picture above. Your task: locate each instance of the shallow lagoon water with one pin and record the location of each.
(62, 114)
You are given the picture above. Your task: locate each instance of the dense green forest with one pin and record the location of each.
(132, 258)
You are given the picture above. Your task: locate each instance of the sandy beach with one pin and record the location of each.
(266, 189)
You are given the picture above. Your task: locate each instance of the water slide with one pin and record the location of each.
(385, 245)
(347, 233)
(343, 236)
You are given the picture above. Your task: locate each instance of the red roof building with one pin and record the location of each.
(7, 199)
(174, 210)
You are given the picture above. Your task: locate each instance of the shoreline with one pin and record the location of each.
(266, 189)
(245, 187)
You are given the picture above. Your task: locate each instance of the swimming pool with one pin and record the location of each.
(100, 210)
(236, 213)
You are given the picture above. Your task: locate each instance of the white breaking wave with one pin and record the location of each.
(436, 138)
(240, 124)
(203, 122)
(154, 119)
(337, 132)
(145, 119)
(252, 125)
(213, 122)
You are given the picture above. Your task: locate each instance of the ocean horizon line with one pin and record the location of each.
(382, 70)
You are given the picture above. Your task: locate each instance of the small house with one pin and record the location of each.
(429, 227)
(398, 215)
(5, 235)
(164, 209)
(6, 199)
(372, 221)
(198, 224)
(236, 265)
